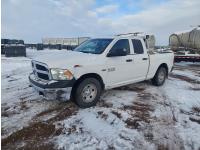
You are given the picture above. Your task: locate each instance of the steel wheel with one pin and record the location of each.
(161, 75)
(89, 93)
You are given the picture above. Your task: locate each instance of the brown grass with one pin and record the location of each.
(116, 113)
(37, 135)
(33, 135)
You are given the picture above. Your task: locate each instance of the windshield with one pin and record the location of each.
(93, 46)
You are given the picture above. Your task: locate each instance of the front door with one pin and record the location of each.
(119, 68)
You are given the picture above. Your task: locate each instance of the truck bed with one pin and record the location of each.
(157, 58)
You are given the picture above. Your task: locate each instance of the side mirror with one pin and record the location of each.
(117, 52)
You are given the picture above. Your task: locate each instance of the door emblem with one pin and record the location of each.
(111, 69)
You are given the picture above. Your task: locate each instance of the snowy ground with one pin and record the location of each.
(138, 116)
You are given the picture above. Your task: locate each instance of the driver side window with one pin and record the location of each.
(121, 44)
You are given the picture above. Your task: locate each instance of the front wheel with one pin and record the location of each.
(88, 93)
(160, 76)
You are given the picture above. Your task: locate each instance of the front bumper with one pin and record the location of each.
(60, 90)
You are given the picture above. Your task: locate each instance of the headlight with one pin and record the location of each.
(61, 74)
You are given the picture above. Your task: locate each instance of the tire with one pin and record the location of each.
(160, 76)
(87, 93)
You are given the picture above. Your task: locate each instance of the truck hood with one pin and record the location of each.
(66, 59)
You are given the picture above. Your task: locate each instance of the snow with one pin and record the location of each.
(119, 98)
(189, 74)
(100, 133)
(189, 134)
(179, 94)
(141, 116)
(187, 63)
(18, 98)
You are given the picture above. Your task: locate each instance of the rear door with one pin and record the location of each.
(141, 59)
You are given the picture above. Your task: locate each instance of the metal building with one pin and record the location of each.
(64, 41)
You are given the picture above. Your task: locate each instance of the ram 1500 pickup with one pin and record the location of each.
(96, 65)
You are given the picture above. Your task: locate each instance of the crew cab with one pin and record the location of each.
(98, 64)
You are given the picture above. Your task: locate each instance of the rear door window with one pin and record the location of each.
(137, 45)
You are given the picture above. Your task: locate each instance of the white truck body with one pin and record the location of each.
(124, 73)
(113, 71)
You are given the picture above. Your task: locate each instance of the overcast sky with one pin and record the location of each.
(32, 20)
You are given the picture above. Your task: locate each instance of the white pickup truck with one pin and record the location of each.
(96, 65)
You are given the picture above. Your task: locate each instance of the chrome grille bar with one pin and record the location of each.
(37, 71)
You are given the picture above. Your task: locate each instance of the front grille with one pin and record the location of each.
(40, 67)
(40, 70)
(42, 76)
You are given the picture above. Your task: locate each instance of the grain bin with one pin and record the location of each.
(188, 39)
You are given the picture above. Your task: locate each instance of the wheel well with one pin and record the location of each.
(165, 66)
(89, 75)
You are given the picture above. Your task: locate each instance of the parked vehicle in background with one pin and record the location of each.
(99, 64)
(186, 45)
(187, 56)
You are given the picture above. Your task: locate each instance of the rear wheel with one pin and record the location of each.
(88, 92)
(160, 76)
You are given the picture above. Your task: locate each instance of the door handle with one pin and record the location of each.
(144, 58)
(129, 60)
